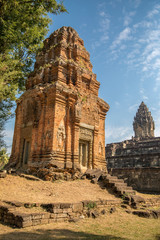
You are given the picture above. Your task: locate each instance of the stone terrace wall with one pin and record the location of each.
(12, 214)
(141, 179)
(134, 153)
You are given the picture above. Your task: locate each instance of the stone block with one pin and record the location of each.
(23, 217)
(3, 174)
(57, 210)
(53, 215)
(137, 199)
(27, 224)
(65, 205)
(62, 215)
(67, 210)
(52, 220)
(36, 216)
(112, 210)
(142, 213)
(46, 215)
(45, 221)
(36, 222)
(94, 214)
(77, 207)
(61, 220)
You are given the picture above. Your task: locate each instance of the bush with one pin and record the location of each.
(3, 158)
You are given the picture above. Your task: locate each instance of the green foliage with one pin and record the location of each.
(23, 26)
(3, 158)
(91, 205)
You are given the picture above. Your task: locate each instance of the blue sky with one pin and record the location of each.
(123, 39)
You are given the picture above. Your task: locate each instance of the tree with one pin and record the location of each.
(23, 26)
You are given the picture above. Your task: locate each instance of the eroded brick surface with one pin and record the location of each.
(60, 118)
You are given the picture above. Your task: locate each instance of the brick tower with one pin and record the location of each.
(60, 119)
(143, 124)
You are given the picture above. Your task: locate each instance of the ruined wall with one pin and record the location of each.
(134, 153)
(141, 179)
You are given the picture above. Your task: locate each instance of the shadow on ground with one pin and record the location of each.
(158, 237)
(56, 234)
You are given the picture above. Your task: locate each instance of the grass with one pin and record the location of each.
(116, 226)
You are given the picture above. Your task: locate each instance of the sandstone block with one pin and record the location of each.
(77, 207)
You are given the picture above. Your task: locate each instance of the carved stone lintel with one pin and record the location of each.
(86, 134)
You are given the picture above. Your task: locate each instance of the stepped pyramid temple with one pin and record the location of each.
(143, 150)
(60, 119)
(137, 160)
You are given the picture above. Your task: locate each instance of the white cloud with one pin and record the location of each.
(142, 94)
(145, 54)
(136, 3)
(104, 24)
(118, 134)
(154, 11)
(123, 36)
(128, 18)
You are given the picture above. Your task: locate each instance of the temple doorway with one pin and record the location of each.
(84, 153)
(25, 152)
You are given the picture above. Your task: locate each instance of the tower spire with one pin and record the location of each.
(143, 123)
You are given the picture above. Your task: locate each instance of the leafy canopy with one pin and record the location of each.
(23, 26)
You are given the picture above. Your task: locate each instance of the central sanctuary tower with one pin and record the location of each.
(60, 119)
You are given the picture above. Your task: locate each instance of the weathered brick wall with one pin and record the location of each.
(55, 212)
(141, 179)
(61, 97)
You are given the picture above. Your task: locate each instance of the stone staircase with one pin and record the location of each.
(118, 186)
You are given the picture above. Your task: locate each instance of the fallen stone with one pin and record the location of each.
(123, 206)
(94, 214)
(3, 173)
(142, 213)
(128, 211)
(94, 180)
(137, 199)
(103, 212)
(112, 210)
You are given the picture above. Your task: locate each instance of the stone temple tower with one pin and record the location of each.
(60, 119)
(143, 124)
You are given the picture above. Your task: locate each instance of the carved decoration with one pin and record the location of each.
(61, 136)
(100, 148)
(31, 112)
(78, 109)
(86, 134)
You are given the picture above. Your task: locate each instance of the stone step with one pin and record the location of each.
(111, 177)
(120, 184)
(129, 192)
(114, 184)
(114, 180)
(125, 192)
(123, 188)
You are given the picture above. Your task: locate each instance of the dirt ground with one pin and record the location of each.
(15, 188)
(117, 226)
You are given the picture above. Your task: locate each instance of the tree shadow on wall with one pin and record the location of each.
(56, 234)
